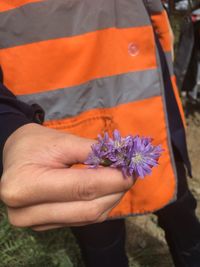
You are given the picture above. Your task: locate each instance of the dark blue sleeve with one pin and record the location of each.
(14, 114)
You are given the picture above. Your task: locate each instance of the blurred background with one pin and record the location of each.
(146, 246)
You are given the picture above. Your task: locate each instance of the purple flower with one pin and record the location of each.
(119, 148)
(143, 156)
(134, 155)
(94, 158)
(100, 151)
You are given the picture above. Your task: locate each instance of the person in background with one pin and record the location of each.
(179, 5)
(91, 67)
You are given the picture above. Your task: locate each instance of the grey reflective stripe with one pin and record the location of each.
(100, 93)
(154, 6)
(60, 18)
(168, 56)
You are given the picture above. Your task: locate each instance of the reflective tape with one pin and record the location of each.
(98, 93)
(76, 60)
(154, 6)
(52, 19)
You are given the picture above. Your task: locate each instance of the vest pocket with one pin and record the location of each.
(85, 126)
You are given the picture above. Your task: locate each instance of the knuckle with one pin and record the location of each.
(6, 192)
(87, 190)
(93, 214)
(10, 193)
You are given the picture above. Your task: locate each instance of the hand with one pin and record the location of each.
(42, 191)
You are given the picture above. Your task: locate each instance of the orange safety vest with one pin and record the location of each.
(93, 66)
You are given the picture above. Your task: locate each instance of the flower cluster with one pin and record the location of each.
(134, 155)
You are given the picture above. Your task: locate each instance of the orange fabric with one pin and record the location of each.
(154, 191)
(78, 59)
(70, 61)
(11, 4)
(162, 27)
(178, 100)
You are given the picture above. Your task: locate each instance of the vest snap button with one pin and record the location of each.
(133, 49)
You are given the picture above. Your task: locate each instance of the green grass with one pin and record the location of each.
(26, 248)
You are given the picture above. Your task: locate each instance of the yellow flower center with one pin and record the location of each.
(137, 158)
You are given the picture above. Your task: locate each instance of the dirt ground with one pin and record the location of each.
(146, 245)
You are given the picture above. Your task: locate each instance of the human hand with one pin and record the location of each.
(40, 189)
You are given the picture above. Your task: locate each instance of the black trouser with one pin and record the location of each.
(103, 245)
(181, 226)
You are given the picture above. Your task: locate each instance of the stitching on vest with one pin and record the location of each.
(108, 123)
